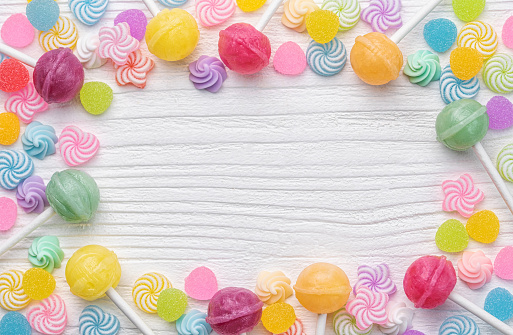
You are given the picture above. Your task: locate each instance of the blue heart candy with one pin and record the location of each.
(94, 321)
(499, 303)
(14, 323)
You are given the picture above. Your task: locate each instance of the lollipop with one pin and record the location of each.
(322, 288)
(93, 272)
(376, 59)
(461, 125)
(429, 282)
(72, 194)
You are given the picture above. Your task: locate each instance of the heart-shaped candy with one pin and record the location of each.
(15, 323)
(94, 320)
(504, 263)
(451, 236)
(201, 284)
(76, 146)
(499, 303)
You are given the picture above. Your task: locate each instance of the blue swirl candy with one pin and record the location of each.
(39, 140)
(172, 3)
(193, 323)
(14, 167)
(326, 59)
(94, 321)
(88, 11)
(459, 325)
(452, 88)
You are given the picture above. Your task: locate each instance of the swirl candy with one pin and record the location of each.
(25, 103)
(326, 59)
(498, 73)
(88, 11)
(375, 278)
(213, 12)
(475, 269)
(147, 289)
(480, 36)
(87, 52)
(296, 328)
(399, 320)
(46, 253)
(49, 317)
(273, 287)
(193, 323)
(452, 88)
(76, 146)
(31, 195)
(348, 12)
(172, 3)
(368, 307)
(505, 163)
(423, 67)
(63, 35)
(461, 195)
(345, 324)
(207, 73)
(383, 15)
(135, 71)
(12, 295)
(116, 43)
(94, 321)
(39, 140)
(459, 325)
(295, 13)
(14, 167)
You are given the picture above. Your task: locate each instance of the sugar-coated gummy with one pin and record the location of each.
(250, 5)
(96, 97)
(440, 34)
(507, 33)
(14, 76)
(483, 226)
(17, 31)
(9, 128)
(289, 59)
(499, 303)
(468, 10)
(322, 25)
(503, 264)
(278, 317)
(38, 284)
(171, 304)
(466, 62)
(451, 236)
(500, 112)
(43, 14)
(8, 213)
(137, 21)
(201, 284)
(14, 323)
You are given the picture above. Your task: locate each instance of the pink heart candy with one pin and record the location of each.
(201, 284)
(76, 146)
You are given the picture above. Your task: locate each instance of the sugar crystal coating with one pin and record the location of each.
(483, 226)
(278, 317)
(38, 284)
(499, 303)
(451, 236)
(322, 25)
(43, 14)
(171, 304)
(466, 62)
(468, 10)
(440, 34)
(500, 112)
(96, 97)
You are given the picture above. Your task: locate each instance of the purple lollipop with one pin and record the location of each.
(31, 195)
(207, 73)
(500, 113)
(136, 20)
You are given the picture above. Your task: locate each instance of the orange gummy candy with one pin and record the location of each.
(466, 62)
(9, 128)
(322, 25)
(278, 317)
(38, 284)
(483, 226)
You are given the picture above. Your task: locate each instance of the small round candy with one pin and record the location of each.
(15, 323)
(96, 97)
(468, 10)
(278, 317)
(9, 128)
(326, 59)
(8, 214)
(440, 34)
(466, 62)
(171, 304)
(500, 112)
(507, 33)
(250, 5)
(483, 226)
(137, 21)
(43, 14)
(289, 59)
(13, 75)
(17, 31)
(451, 236)
(322, 25)
(38, 284)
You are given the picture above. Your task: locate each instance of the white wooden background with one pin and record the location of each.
(271, 173)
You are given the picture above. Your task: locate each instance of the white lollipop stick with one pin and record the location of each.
(412, 23)
(321, 324)
(128, 311)
(268, 14)
(11, 52)
(481, 313)
(152, 7)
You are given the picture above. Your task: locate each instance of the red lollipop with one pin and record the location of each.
(13, 75)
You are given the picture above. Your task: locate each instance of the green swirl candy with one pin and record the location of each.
(423, 67)
(46, 253)
(73, 195)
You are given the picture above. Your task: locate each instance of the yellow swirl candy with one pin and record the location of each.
(480, 36)
(63, 35)
(295, 12)
(12, 296)
(147, 290)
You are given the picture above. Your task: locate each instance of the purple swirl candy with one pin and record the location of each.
(31, 195)
(207, 73)
(383, 15)
(375, 278)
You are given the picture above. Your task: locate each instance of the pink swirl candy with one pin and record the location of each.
(375, 278)
(26, 103)
(295, 329)
(76, 146)
(461, 195)
(135, 71)
(49, 317)
(368, 307)
(116, 43)
(383, 15)
(475, 269)
(214, 12)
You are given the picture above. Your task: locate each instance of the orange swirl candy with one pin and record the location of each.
(63, 35)
(12, 296)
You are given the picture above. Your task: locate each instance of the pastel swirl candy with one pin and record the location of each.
(423, 67)
(94, 321)
(135, 71)
(459, 325)
(498, 73)
(348, 12)
(26, 103)
(296, 329)
(87, 51)
(172, 3)
(88, 12)
(63, 35)
(46, 253)
(480, 36)
(326, 59)
(12, 296)
(368, 307)
(475, 269)
(49, 317)
(295, 12)
(452, 88)
(376, 278)
(39, 140)
(345, 324)
(147, 289)
(273, 287)
(193, 323)
(31, 195)
(505, 162)
(14, 167)
(399, 320)
(207, 73)
(77, 147)
(116, 43)
(383, 15)
(461, 195)
(213, 12)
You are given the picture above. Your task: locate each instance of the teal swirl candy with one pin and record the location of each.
(193, 323)
(423, 67)
(459, 325)
(88, 11)
(73, 195)
(39, 140)
(348, 12)
(498, 73)
(452, 88)
(173, 3)
(345, 324)
(94, 321)
(46, 253)
(326, 59)
(505, 162)
(14, 167)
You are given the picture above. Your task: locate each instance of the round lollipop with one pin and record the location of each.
(376, 59)
(429, 282)
(94, 271)
(461, 125)
(58, 74)
(72, 194)
(322, 288)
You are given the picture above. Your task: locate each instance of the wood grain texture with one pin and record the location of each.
(271, 173)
